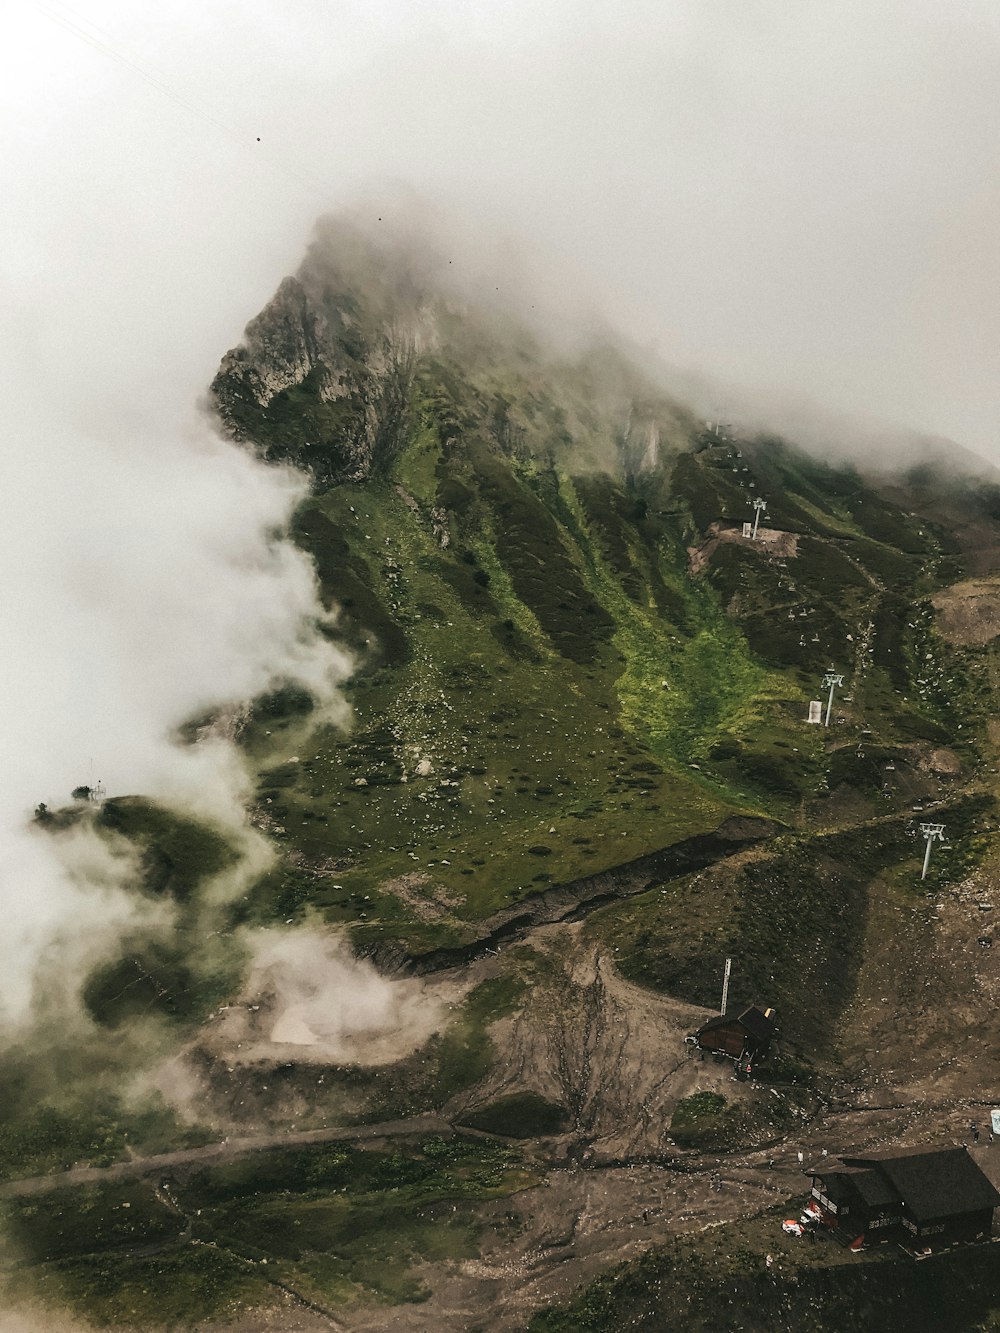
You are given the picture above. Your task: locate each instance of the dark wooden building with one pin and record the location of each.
(923, 1198)
(746, 1036)
(857, 1205)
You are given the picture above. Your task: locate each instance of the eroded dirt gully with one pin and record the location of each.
(611, 1052)
(567, 902)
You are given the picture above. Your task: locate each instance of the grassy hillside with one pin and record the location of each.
(568, 659)
(567, 656)
(546, 691)
(335, 1225)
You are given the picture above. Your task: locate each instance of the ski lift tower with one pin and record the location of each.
(759, 507)
(833, 680)
(933, 833)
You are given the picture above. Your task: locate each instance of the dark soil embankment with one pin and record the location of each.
(570, 902)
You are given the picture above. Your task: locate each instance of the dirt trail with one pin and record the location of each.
(610, 1051)
(226, 1150)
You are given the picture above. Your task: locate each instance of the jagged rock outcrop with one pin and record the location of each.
(322, 377)
(332, 372)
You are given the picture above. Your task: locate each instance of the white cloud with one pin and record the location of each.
(307, 998)
(798, 196)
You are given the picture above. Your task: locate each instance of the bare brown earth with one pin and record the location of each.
(610, 1051)
(923, 1056)
(920, 1046)
(968, 613)
(923, 1023)
(769, 541)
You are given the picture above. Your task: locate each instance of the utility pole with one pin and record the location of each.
(833, 680)
(933, 833)
(725, 985)
(759, 507)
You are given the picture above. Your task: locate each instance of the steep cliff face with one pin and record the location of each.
(324, 373)
(333, 372)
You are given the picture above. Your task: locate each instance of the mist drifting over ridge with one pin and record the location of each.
(572, 672)
(797, 200)
(145, 589)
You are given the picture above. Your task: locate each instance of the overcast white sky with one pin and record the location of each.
(799, 196)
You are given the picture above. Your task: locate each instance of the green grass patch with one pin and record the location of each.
(178, 854)
(710, 1123)
(521, 1115)
(341, 1225)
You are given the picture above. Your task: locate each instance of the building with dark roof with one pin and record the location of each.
(925, 1198)
(745, 1036)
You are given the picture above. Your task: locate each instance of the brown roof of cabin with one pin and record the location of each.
(933, 1184)
(752, 1020)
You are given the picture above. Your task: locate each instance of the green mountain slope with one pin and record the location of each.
(545, 689)
(579, 775)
